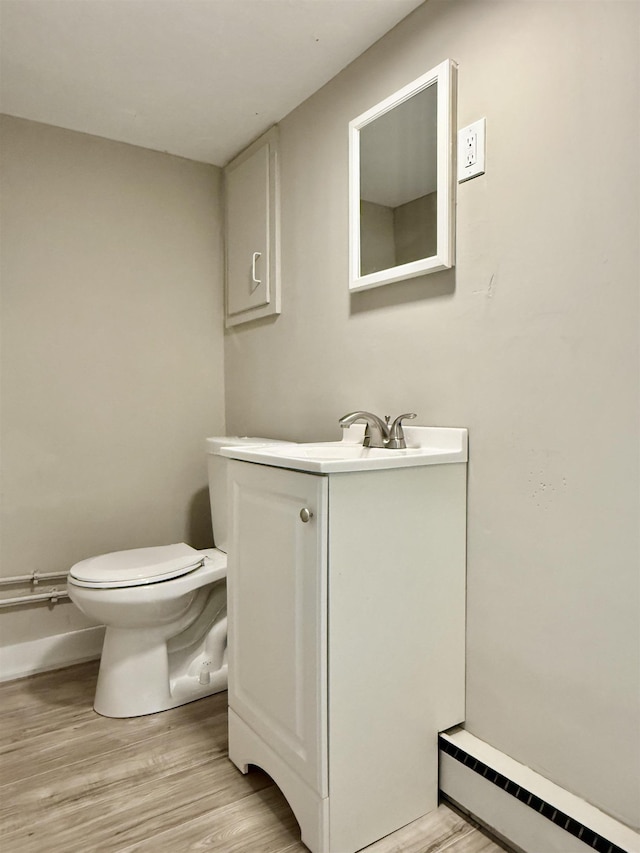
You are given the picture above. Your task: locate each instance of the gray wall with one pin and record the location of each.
(415, 229)
(377, 243)
(112, 353)
(531, 342)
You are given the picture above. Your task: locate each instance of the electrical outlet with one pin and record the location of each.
(470, 142)
(471, 150)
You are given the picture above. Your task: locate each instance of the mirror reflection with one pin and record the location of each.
(398, 184)
(401, 183)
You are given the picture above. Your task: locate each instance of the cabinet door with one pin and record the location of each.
(251, 212)
(277, 593)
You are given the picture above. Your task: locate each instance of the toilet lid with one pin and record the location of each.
(138, 566)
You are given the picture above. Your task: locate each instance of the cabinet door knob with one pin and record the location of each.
(306, 514)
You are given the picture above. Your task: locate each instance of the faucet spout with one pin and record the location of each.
(377, 431)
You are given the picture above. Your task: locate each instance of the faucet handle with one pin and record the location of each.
(396, 433)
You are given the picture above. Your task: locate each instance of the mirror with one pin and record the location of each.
(401, 205)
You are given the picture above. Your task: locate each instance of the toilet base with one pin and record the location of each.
(139, 684)
(186, 690)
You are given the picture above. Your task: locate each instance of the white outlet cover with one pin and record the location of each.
(479, 130)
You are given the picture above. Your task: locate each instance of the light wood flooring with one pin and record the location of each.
(71, 780)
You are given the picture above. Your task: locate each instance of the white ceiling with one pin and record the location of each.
(197, 78)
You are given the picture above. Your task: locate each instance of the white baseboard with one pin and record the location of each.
(526, 810)
(54, 652)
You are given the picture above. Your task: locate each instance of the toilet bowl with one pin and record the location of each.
(165, 614)
(152, 658)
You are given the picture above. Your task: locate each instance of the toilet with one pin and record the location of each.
(165, 612)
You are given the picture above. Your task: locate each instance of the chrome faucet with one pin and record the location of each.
(396, 433)
(379, 433)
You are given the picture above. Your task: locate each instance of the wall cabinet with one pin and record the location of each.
(252, 232)
(346, 639)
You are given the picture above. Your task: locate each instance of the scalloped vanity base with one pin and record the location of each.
(310, 810)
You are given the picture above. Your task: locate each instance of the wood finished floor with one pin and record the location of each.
(71, 780)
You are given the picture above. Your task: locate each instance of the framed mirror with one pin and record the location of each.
(401, 183)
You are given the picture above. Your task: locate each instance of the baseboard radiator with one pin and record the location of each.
(521, 807)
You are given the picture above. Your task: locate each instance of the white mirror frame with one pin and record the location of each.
(444, 76)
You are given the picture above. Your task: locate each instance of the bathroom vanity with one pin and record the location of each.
(346, 596)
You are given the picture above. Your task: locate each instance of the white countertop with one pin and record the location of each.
(425, 446)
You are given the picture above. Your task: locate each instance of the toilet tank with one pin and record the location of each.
(217, 469)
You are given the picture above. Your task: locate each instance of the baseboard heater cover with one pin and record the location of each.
(587, 836)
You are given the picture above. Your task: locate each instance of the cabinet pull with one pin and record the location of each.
(306, 514)
(255, 281)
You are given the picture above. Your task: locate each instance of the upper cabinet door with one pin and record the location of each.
(252, 238)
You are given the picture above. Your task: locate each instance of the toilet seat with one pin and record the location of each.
(136, 567)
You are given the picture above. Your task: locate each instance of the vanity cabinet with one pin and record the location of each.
(346, 597)
(251, 183)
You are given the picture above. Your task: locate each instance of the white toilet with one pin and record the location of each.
(165, 612)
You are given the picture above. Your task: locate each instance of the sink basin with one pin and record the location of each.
(426, 446)
(338, 450)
